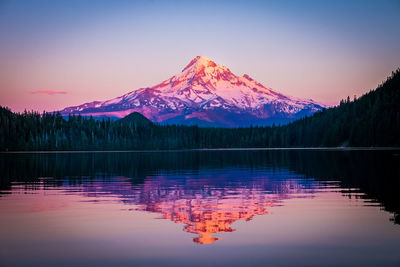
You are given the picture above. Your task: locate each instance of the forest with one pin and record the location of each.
(373, 120)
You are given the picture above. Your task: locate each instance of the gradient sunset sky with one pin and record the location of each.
(62, 53)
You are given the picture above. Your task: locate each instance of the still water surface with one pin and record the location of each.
(200, 208)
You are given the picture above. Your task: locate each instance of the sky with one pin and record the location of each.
(55, 54)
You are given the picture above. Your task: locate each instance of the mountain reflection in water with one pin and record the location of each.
(208, 191)
(200, 208)
(207, 203)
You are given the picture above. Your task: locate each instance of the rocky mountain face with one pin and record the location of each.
(204, 94)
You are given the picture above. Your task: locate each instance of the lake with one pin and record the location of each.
(201, 208)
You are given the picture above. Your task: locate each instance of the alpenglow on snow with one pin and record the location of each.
(204, 94)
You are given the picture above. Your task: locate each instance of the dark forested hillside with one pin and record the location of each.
(371, 120)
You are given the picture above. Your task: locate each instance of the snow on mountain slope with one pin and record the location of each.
(204, 93)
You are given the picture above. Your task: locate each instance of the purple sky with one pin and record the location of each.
(61, 53)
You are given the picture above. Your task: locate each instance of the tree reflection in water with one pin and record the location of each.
(208, 191)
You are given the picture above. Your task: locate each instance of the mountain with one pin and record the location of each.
(205, 94)
(372, 120)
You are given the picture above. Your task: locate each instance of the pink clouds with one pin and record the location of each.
(49, 92)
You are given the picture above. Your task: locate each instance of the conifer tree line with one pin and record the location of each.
(372, 120)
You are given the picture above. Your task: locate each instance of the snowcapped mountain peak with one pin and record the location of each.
(204, 91)
(203, 66)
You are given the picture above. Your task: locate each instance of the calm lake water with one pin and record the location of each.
(201, 208)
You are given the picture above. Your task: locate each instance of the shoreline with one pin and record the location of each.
(207, 149)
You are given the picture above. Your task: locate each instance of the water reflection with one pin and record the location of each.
(374, 173)
(275, 207)
(205, 202)
(204, 210)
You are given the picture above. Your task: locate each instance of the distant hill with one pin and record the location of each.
(136, 118)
